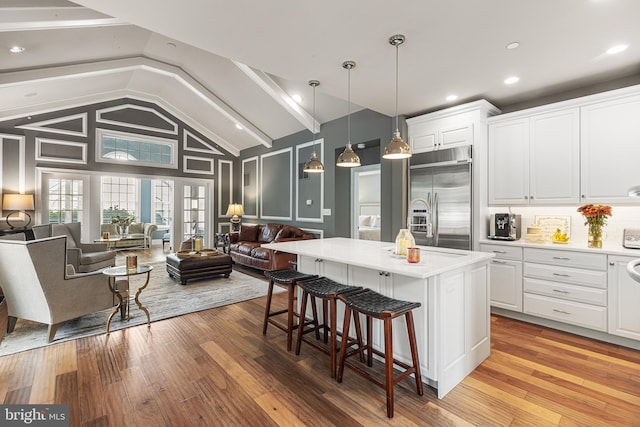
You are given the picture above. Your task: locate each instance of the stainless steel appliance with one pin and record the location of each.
(504, 226)
(440, 198)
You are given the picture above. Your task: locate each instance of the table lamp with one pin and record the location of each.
(236, 210)
(18, 203)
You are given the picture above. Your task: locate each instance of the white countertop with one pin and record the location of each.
(608, 247)
(378, 255)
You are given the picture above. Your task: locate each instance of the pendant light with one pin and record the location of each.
(348, 158)
(397, 148)
(314, 165)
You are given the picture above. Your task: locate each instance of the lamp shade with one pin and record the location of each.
(235, 209)
(17, 202)
(397, 148)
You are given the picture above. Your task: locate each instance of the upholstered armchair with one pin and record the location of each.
(38, 286)
(84, 257)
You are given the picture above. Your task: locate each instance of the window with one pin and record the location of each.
(194, 210)
(119, 198)
(65, 200)
(162, 201)
(121, 147)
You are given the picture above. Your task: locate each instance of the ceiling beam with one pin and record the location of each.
(267, 84)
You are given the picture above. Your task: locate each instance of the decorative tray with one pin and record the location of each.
(194, 254)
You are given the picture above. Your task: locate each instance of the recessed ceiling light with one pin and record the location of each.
(17, 49)
(296, 97)
(30, 94)
(511, 80)
(451, 97)
(617, 49)
(238, 126)
(171, 44)
(513, 45)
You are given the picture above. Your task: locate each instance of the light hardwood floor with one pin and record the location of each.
(215, 368)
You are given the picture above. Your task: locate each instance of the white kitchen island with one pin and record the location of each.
(452, 325)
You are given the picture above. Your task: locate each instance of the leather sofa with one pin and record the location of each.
(245, 245)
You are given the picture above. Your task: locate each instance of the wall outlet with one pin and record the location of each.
(309, 202)
(326, 212)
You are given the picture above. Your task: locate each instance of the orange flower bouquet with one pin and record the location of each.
(595, 218)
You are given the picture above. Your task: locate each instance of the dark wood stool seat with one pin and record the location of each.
(285, 278)
(328, 291)
(376, 306)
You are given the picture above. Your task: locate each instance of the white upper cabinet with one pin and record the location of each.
(449, 128)
(509, 162)
(535, 159)
(610, 149)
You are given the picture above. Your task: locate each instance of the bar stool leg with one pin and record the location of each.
(346, 324)
(291, 298)
(333, 338)
(388, 364)
(303, 310)
(267, 308)
(369, 341)
(414, 352)
(314, 310)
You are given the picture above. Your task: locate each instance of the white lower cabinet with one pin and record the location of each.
(624, 297)
(565, 286)
(506, 276)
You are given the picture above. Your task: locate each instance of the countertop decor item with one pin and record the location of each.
(595, 218)
(404, 240)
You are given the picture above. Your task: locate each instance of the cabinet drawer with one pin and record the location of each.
(563, 291)
(597, 279)
(575, 313)
(567, 258)
(503, 251)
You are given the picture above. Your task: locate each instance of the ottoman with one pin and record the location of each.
(195, 267)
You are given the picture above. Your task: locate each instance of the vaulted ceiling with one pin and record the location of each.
(218, 64)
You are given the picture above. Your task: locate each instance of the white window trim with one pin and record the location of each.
(100, 133)
(42, 158)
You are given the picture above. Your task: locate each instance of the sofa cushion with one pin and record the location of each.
(269, 232)
(136, 228)
(94, 257)
(261, 253)
(249, 233)
(246, 247)
(285, 232)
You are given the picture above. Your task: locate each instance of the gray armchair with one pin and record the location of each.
(38, 286)
(84, 257)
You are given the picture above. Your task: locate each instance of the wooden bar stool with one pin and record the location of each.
(328, 291)
(376, 306)
(285, 278)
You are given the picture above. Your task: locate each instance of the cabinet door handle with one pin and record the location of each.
(497, 261)
(526, 197)
(560, 291)
(380, 273)
(612, 264)
(499, 252)
(561, 275)
(561, 311)
(563, 258)
(319, 260)
(583, 196)
(531, 197)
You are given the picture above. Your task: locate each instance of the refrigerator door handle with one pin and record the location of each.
(436, 217)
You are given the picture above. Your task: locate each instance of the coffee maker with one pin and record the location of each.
(504, 226)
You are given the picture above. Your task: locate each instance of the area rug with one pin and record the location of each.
(164, 298)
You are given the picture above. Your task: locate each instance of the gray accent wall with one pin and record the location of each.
(368, 127)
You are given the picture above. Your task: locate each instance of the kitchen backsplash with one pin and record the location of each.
(623, 217)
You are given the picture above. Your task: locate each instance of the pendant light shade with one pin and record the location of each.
(314, 165)
(397, 148)
(348, 158)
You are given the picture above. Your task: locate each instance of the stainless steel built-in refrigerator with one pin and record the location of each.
(440, 198)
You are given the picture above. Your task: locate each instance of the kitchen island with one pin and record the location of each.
(452, 325)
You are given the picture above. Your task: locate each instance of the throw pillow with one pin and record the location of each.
(248, 233)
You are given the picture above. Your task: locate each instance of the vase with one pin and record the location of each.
(595, 236)
(124, 230)
(404, 240)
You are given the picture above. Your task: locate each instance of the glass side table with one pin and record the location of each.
(123, 295)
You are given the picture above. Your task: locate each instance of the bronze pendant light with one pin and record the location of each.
(397, 148)
(348, 158)
(314, 165)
